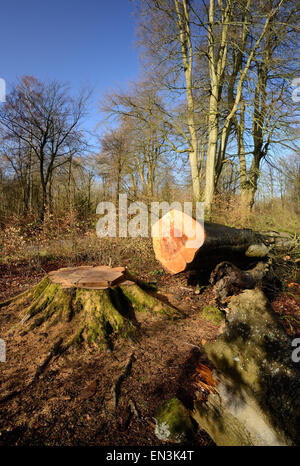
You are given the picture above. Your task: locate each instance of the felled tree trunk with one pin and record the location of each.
(91, 304)
(181, 243)
(255, 396)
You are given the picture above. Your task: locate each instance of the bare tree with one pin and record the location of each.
(169, 39)
(114, 156)
(266, 118)
(144, 126)
(45, 119)
(225, 38)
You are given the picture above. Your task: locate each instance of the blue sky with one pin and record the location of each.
(82, 42)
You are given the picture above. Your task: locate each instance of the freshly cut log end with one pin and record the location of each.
(181, 242)
(176, 239)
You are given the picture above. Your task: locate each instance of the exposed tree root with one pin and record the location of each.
(117, 385)
(55, 350)
(227, 278)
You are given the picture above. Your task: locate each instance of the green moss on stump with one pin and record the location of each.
(91, 315)
(173, 422)
(145, 302)
(212, 314)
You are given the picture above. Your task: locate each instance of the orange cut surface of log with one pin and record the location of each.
(176, 239)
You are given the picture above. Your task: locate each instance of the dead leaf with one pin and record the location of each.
(89, 391)
(206, 374)
(209, 388)
(294, 285)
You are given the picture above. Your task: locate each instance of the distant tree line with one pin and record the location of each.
(212, 116)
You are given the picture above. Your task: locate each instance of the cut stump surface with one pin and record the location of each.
(99, 277)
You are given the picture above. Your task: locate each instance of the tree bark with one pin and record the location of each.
(254, 400)
(187, 59)
(216, 73)
(181, 243)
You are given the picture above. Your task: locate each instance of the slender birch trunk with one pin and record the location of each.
(187, 60)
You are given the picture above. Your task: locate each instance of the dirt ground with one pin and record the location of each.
(72, 401)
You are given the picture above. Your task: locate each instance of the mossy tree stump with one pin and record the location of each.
(91, 304)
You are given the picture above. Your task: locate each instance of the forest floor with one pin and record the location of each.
(71, 403)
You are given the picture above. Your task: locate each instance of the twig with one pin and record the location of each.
(190, 344)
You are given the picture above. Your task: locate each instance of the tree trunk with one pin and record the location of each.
(69, 183)
(44, 189)
(211, 154)
(217, 63)
(247, 200)
(50, 193)
(181, 243)
(185, 39)
(255, 396)
(44, 203)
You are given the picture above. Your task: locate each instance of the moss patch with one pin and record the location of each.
(173, 422)
(212, 314)
(144, 302)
